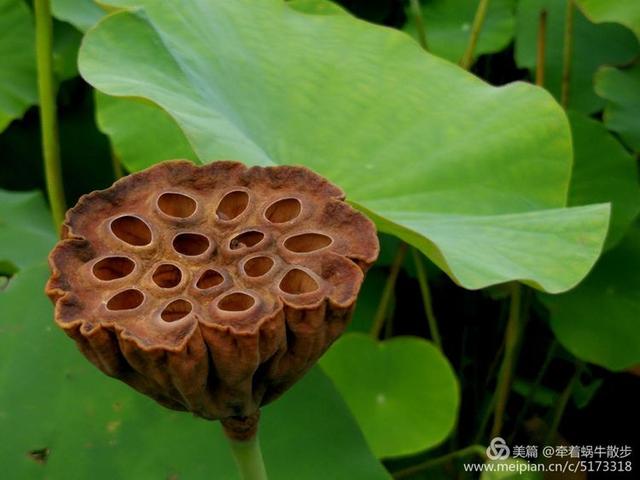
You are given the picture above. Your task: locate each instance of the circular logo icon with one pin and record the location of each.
(498, 449)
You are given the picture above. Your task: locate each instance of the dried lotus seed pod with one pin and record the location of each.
(210, 289)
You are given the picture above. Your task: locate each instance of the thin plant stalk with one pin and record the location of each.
(387, 330)
(477, 450)
(534, 388)
(495, 362)
(248, 457)
(478, 22)
(505, 376)
(387, 292)
(416, 11)
(562, 403)
(486, 415)
(489, 404)
(118, 172)
(541, 48)
(567, 54)
(48, 120)
(426, 299)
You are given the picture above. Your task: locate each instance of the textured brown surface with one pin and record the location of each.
(186, 283)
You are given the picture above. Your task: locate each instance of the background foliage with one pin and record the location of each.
(506, 193)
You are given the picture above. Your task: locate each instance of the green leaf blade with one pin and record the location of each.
(82, 14)
(547, 249)
(18, 89)
(604, 172)
(621, 88)
(449, 26)
(26, 228)
(402, 391)
(626, 12)
(598, 321)
(137, 146)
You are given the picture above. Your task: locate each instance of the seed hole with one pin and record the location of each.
(112, 268)
(209, 279)
(236, 302)
(246, 239)
(232, 205)
(167, 276)
(190, 243)
(177, 205)
(131, 230)
(297, 281)
(283, 210)
(307, 242)
(176, 310)
(127, 300)
(258, 266)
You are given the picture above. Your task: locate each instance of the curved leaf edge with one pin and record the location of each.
(436, 254)
(587, 13)
(103, 127)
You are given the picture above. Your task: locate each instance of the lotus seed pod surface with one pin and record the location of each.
(211, 289)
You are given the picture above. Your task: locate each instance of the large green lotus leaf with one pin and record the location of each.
(53, 400)
(127, 122)
(413, 139)
(626, 12)
(598, 320)
(402, 391)
(593, 46)
(18, 88)
(603, 171)
(448, 26)
(82, 14)
(26, 228)
(317, 7)
(621, 88)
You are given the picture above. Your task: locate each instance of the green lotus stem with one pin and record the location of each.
(117, 166)
(541, 46)
(426, 298)
(487, 410)
(248, 457)
(567, 54)
(416, 11)
(478, 450)
(534, 388)
(478, 21)
(48, 120)
(387, 292)
(562, 403)
(512, 338)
